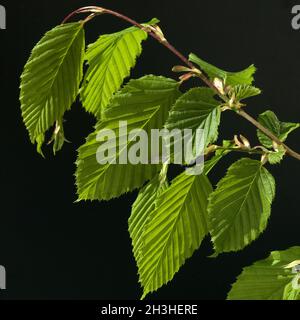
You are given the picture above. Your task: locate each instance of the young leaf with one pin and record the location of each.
(276, 156)
(110, 59)
(245, 91)
(141, 211)
(267, 279)
(197, 109)
(144, 104)
(231, 78)
(51, 78)
(240, 207)
(58, 137)
(281, 129)
(174, 230)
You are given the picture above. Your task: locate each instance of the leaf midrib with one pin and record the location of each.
(168, 239)
(115, 44)
(55, 78)
(246, 196)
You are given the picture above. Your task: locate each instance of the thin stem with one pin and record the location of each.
(214, 148)
(250, 151)
(89, 9)
(95, 10)
(166, 44)
(268, 133)
(153, 34)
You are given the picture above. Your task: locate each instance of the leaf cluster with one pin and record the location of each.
(169, 219)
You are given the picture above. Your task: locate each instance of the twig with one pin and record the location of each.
(268, 133)
(95, 10)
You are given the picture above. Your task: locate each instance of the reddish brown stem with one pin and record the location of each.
(94, 10)
(269, 134)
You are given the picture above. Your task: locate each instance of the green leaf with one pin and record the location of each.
(276, 156)
(286, 128)
(197, 109)
(270, 121)
(211, 163)
(231, 78)
(51, 78)
(174, 231)
(141, 212)
(240, 207)
(290, 293)
(219, 154)
(58, 137)
(267, 279)
(110, 59)
(280, 129)
(144, 103)
(245, 91)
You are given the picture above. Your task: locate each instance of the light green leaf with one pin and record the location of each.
(286, 128)
(144, 103)
(276, 156)
(211, 163)
(280, 129)
(58, 137)
(110, 59)
(174, 231)
(240, 207)
(231, 78)
(270, 121)
(267, 279)
(197, 109)
(245, 91)
(141, 212)
(51, 78)
(290, 293)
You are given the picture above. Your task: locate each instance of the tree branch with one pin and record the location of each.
(154, 33)
(268, 133)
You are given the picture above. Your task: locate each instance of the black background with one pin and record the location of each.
(55, 249)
